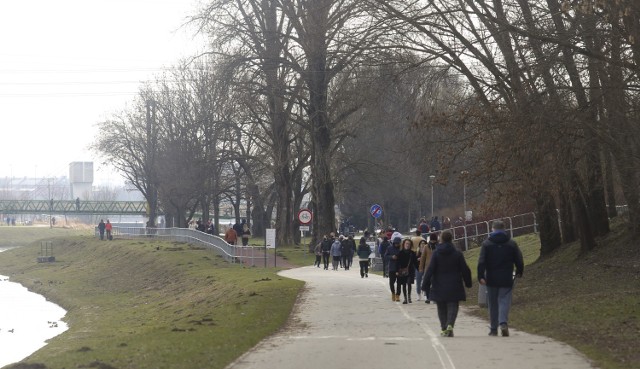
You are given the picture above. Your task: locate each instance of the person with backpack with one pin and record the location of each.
(444, 281)
(382, 250)
(499, 256)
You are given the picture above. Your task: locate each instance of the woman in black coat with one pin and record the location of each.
(443, 282)
(407, 261)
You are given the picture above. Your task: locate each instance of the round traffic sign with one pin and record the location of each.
(376, 211)
(305, 216)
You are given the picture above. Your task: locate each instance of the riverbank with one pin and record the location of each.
(148, 304)
(27, 321)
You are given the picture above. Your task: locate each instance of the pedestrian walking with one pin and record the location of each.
(425, 258)
(318, 252)
(108, 227)
(352, 249)
(336, 253)
(499, 256)
(246, 233)
(420, 267)
(382, 250)
(101, 228)
(345, 250)
(444, 281)
(327, 241)
(231, 236)
(392, 259)
(406, 269)
(363, 257)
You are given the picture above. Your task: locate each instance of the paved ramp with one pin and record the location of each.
(344, 321)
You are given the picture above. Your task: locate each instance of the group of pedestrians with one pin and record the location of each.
(105, 228)
(340, 250)
(238, 230)
(440, 270)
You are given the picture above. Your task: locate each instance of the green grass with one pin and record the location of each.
(148, 304)
(591, 301)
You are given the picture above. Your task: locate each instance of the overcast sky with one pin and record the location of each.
(66, 65)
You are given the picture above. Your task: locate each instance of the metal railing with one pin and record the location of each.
(232, 253)
(472, 235)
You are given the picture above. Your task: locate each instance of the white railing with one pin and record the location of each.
(231, 253)
(474, 233)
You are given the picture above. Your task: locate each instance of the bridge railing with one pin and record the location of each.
(231, 253)
(72, 206)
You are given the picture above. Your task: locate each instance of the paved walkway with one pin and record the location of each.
(343, 321)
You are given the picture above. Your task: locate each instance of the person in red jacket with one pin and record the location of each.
(108, 227)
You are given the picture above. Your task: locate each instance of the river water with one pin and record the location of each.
(27, 321)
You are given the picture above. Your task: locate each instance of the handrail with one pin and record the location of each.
(515, 225)
(230, 253)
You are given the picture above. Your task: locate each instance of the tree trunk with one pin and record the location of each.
(609, 185)
(566, 219)
(548, 222)
(580, 214)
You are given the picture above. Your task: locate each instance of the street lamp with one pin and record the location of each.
(464, 174)
(432, 177)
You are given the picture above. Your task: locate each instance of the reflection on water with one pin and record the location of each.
(27, 320)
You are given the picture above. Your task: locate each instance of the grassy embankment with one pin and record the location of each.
(146, 304)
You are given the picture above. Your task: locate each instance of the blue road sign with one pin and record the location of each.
(376, 211)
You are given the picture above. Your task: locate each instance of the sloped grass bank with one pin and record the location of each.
(591, 301)
(149, 304)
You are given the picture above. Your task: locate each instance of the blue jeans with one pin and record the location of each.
(419, 276)
(499, 301)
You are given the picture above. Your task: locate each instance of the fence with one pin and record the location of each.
(234, 254)
(472, 235)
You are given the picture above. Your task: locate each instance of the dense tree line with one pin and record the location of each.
(354, 102)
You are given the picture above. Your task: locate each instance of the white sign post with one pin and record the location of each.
(305, 216)
(270, 243)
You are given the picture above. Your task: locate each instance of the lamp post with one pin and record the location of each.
(464, 174)
(432, 177)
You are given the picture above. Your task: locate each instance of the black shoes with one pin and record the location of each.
(493, 332)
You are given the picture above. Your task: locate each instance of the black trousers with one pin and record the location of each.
(325, 260)
(364, 267)
(394, 283)
(447, 313)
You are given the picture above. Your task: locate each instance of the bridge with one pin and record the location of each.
(73, 207)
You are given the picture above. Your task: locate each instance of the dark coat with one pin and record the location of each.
(407, 258)
(326, 245)
(393, 263)
(445, 275)
(498, 257)
(364, 250)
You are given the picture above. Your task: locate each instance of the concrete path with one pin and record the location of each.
(344, 321)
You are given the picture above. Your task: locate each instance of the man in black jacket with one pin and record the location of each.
(498, 257)
(325, 246)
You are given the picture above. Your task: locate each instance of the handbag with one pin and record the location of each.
(403, 272)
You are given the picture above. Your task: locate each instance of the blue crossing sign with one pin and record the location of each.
(376, 211)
